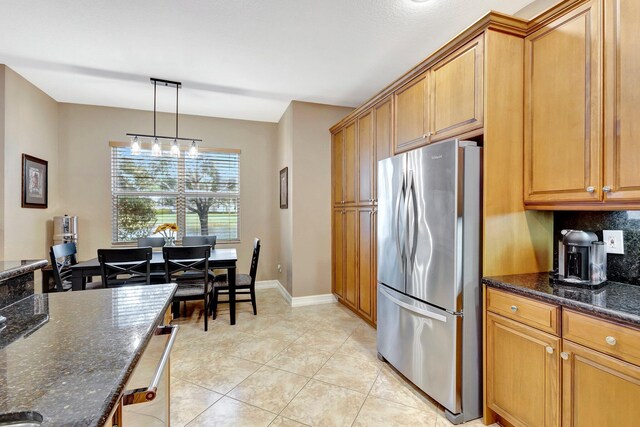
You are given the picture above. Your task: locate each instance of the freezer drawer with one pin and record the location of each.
(422, 342)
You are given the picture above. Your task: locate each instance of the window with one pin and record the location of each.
(201, 194)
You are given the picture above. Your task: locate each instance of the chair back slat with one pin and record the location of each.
(199, 240)
(154, 242)
(134, 263)
(254, 260)
(181, 259)
(62, 256)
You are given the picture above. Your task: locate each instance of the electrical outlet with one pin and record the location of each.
(613, 241)
(279, 268)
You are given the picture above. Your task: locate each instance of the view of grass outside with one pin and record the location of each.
(149, 191)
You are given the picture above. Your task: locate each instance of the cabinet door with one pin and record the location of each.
(383, 138)
(411, 106)
(563, 140)
(351, 257)
(337, 167)
(457, 92)
(350, 164)
(338, 253)
(598, 390)
(366, 280)
(523, 377)
(622, 98)
(366, 158)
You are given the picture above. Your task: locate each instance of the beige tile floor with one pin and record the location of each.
(313, 365)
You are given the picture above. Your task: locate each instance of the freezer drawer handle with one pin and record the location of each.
(141, 395)
(416, 310)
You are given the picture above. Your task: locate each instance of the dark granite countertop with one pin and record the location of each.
(69, 355)
(9, 269)
(614, 301)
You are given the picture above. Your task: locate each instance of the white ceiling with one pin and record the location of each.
(244, 59)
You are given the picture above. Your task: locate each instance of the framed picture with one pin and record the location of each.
(284, 188)
(35, 185)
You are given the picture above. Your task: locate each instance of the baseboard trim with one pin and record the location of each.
(296, 301)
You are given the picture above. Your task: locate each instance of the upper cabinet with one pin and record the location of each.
(456, 92)
(366, 158)
(337, 166)
(562, 110)
(622, 101)
(576, 154)
(411, 111)
(350, 164)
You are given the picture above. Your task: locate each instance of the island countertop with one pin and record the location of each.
(613, 300)
(69, 355)
(9, 269)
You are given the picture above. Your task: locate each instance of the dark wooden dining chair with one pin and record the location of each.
(188, 267)
(199, 240)
(245, 283)
(123, 267)
(154, 242)
(63, 256)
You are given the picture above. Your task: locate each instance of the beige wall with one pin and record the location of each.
(285, 217)
(85, 132)
(2, 73)
(31, 127)
(535, 8)
(304, 145)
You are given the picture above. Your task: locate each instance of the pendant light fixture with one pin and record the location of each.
(156, 147)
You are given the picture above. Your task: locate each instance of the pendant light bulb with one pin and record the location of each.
(135, 146)
(156, 150)
(193, 151)
(175, 148)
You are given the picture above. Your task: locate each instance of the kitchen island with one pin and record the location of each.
(68, 356)
(16, 279)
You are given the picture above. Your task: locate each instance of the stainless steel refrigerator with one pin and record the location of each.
(429, 267)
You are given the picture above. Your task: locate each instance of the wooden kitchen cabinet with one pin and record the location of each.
(598, 390)
(622, 101)
(366, 159)
(345, 255)
(383, 129)
(457, 92)
(337, 167)
(563, 136)
(366, 263)
(411, 114)
(523, 373)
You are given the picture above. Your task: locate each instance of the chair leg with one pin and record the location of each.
(206, 311)
(214, 304)
(185, 309)
(253, 300)
(175, 308)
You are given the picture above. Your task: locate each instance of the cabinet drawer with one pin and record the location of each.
(618, 341)
(533, 313)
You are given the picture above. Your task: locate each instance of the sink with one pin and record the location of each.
(21, 419)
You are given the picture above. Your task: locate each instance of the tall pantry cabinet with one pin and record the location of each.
(354, 219)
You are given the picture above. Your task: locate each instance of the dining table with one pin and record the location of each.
(219, 259)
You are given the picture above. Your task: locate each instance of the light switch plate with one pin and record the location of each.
(613, 241)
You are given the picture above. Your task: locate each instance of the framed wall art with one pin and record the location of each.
(284, 188)
(35, 183)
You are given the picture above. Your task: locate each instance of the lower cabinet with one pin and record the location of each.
(354, 259)
(534, 378)
(523, 364)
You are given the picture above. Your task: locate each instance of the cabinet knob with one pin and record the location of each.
(514, 308)
(606, 189)
(564, 355)
(591, 189)
(549, 349)
(611, 340)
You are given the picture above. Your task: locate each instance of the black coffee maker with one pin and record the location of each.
(582, 258)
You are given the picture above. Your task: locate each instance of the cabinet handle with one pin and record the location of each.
(514, 308)
(611, 340)
(606, 189)
(591, 189)
(564, 355)
(549, 349)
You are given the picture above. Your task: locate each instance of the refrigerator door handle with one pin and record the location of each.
(399, 224)
(412, 308)
(411, 228)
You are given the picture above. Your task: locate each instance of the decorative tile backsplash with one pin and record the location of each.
(620, 268)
